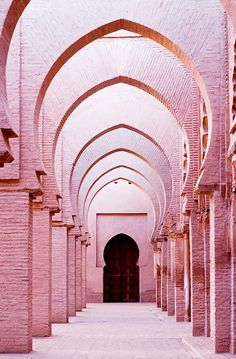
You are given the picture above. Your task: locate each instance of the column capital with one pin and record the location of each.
(174, 234)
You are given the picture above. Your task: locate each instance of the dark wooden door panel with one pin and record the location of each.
(121, 274)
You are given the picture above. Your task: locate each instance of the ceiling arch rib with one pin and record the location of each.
(155, 22)
(133, 106)
(154, 128)
(85, 197)
(154, 232)
(105, 164)
(81, 124)
(118, 133)
(82, 102)
(132, 201)
(124, 160)
(129, 176)
(159, 189)
(115, 142)
(108, 28)
(142, 63)
(11, 11)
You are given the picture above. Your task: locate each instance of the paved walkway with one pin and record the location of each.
(120, 331)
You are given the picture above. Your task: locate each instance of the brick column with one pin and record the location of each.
(84, 252)
(233, 305)
(42, 263)
(71, 274)
(164, 276)
(219, 275)
(170, 283)
(197, 275)
(206, 233)
(59, 274)
(187, 285)
(158, 286)
(179, 277)
(78, 275)
(233, 273)
(15, 272)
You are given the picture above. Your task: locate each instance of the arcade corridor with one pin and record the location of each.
(117, 179)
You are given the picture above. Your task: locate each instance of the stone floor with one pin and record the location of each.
(120, 331)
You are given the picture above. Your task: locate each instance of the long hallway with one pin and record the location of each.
(120, 331)
(117, 179)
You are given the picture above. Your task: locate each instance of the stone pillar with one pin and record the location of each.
(59, 274)
(15, 272)
(170, 282)
(84, 252)
(158, 286)
(164, 276)
(157, 272)
(179, 277)
(197, 275)
(187, 285)
(71, 274)
(42, 264)
(233, 305)
(78, 275)
(206, 233)
(219, 275)
(232, 237)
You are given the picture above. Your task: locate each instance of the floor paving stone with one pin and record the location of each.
(120, 331)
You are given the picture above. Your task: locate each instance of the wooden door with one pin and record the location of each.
(121, 273)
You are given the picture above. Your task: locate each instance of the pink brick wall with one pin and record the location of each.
(187, 278)
(42, 272)
(59, 275)
(158, 286)
(84, 271)
(170, 282)
(179, 279)
(78, 275)
(16, 272)
(197, 275)
(164, 276)
(219, 275)
(71, 275)
(206, 232)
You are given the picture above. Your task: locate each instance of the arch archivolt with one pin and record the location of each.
(134, 178)
(133, 143)
(173, 41)
(106, 164)
(89, 183)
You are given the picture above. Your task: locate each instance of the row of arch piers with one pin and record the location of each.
(117, 163)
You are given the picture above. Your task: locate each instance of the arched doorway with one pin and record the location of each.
(121, 272)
